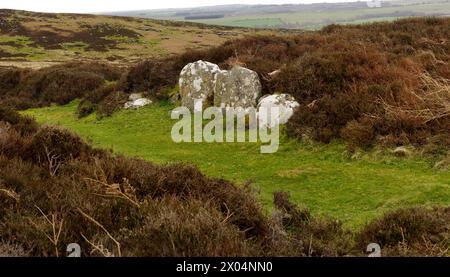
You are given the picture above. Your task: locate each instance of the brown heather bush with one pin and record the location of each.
(60, 84)
(11, 142)
(186, 182)
(58, 187)
(175, 227)
(410, 232)
(10, 78)
(85, 108)
(53, 146)
(105, 97)
(111, 103)
(23, 124)
(311, 236)
(10, 251)
(151, 76)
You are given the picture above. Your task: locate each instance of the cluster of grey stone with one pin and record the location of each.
(236, 88)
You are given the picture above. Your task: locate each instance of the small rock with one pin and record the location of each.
(286, 105)
(141, 102)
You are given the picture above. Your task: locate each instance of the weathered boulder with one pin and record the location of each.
(238, 87)
(286, 105)
(197, 82)
(136, 100)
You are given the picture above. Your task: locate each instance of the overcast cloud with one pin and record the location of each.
(90, 6)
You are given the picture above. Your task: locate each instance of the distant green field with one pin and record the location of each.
(256, 22)
(317, 19)
(322, 177)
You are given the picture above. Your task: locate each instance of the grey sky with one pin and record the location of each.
(86, 6)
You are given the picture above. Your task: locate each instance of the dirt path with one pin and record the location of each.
(33, 65)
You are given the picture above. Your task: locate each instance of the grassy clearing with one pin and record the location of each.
(322, 177)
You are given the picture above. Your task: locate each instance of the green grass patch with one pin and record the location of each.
(321, 177)
(21, 45)
(78, 46)
(20, 40)
(121, 39)
(257, 22)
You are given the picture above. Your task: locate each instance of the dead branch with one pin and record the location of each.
(53, 161)
(99, 248)
(103, 228)
(56, 228)
(12, 194)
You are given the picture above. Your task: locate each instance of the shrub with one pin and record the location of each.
(359, 134)
(85, 108)
(10, 78)
(185, 229)
(152, 77)
(312, 236)
(23, 124)
(415, 230)
(186, 181)
(294, 216)
(59, 84)
(53, 146)
(11, 142)
(106, 96)
(112, 103)
(10, 250)
(80, 189)
(96, 96)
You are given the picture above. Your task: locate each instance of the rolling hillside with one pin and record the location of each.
(46, 38)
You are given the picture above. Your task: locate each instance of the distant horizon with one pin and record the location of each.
(96, 6)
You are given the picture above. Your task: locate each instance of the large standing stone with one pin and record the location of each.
(238, 87)
(286, 105)
(197, 82)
